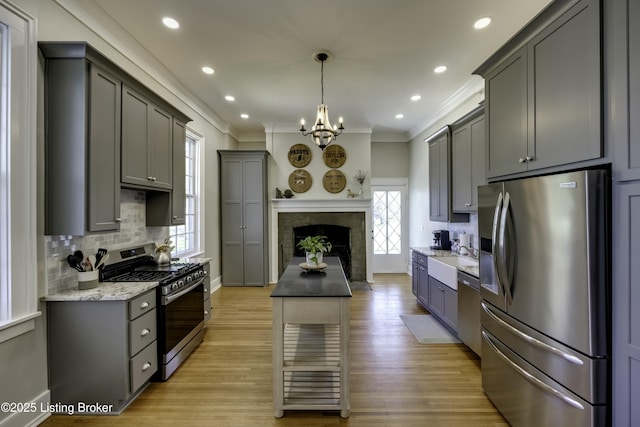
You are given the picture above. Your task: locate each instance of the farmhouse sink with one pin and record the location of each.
(445, 268)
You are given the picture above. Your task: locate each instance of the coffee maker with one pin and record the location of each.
(441, 240)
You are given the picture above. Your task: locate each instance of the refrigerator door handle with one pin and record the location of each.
(532, 379)
(494, 241)
(502, 253)
(531, 340)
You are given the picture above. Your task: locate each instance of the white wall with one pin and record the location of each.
(390, 159)
(420, 228)
(358, 150)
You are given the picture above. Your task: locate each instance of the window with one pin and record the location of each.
(18, 281)
(186, 238)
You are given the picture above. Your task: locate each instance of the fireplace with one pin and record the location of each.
(339, 237)
(352, 218)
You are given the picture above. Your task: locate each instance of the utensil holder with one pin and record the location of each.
(87, 279)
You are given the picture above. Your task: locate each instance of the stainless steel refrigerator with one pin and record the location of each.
(545, 289)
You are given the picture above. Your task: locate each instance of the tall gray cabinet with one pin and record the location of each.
(82, 125)
(243, 216)
(622, 87)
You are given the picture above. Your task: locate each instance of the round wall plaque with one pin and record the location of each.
(299, 155)
(300, 181)
(334, 181)
(334, 156)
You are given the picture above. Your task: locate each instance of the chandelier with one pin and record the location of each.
(322, 133)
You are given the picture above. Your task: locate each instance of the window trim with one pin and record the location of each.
(198, 164)
(20, 284)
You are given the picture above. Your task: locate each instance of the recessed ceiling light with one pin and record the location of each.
(440, 69)
(482, 23)
(416, 98)
(230, 98)
(399, 116)
(244, 115)
(207, 70)
(170, 23)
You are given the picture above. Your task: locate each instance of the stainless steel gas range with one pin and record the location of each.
(180, 321)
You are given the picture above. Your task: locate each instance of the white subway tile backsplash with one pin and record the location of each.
(133, 231)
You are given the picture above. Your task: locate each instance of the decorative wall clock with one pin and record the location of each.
(299, 155)
(334, 181)
(334, 156)
(300, 181)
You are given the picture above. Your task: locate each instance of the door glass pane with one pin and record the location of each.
(387, 222)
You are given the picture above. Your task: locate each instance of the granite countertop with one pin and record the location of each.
(295, 282)
(105, 291)
(473, 270)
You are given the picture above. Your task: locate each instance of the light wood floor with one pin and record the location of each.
(395, 381)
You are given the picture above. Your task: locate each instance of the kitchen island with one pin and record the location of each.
(311, 339)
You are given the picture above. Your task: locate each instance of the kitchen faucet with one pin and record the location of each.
(473, 252)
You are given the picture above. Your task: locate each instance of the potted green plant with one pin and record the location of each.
(315, 247)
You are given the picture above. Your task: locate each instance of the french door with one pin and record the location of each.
(389, 225)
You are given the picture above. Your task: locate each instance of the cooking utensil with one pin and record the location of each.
(79, 256)
(103, 259)
(100, 254)
(91, 260)
(73, 262)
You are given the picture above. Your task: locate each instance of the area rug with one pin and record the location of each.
(428, 330)
(359, 286)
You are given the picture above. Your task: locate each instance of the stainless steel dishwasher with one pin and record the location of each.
(469, 311)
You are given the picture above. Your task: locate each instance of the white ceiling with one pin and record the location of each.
(262, 53)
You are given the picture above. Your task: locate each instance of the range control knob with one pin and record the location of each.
(180, 284)
(189, 279)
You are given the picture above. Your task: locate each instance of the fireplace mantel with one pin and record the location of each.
(319, 205)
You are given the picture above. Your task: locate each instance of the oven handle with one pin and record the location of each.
(169, 299)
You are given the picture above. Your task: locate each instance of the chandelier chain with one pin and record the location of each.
(321, 82)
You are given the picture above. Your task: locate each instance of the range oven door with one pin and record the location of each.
(181, 319)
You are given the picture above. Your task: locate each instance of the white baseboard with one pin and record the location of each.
(37, 413)
(216, 284)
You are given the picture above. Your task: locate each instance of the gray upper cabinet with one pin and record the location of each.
(440, 208)
(468, 160)
(82, 140)
(243, 205)
(168, 208)
(147, 148)
(622, 62)
(543, 92)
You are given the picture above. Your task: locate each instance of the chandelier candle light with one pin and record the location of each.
(322, 133)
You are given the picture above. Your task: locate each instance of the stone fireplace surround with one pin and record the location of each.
(352, 213)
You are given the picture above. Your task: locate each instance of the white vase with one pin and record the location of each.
(314, 258)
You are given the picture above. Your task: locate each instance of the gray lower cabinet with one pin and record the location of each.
(101, 351)
(443, 303)
(415, 268)
(82, 141)
(543, 92)
(626, 304)
(468, 138)
(243, 212)
(208, 309)
(440, 178)
(147, 150)
(422, 281)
